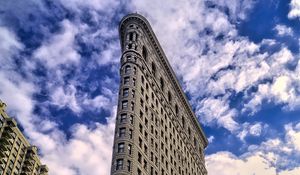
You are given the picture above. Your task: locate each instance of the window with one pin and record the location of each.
(129, 149)
(122, 132)
(183, 122)
(144, 52)
(121, 147)
(142, 90)
(140, 142)
(142, 102)
(139, 172)
(145, 164)
(132, 106)
(133, 93)
(139, 157)
(143, 79)
(134, 70)
(153, 69)
(176, 109)
(130, 133)
(169, 96)
(131, 36)
(130, 46)
(131, 119)
(124, 104)
(145, 149)
(126, 80)
(133, 81)
(119, 164)
(141, 128)
(123, 118)
(125, 92)
(162, 84)
(127, 69)
(129, 165)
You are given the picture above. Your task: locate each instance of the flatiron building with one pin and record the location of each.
(156, 131)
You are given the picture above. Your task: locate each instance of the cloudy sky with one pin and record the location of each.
(237, 61)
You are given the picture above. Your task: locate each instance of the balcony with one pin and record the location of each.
(29, 162)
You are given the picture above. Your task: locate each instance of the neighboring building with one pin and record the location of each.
(156, 132)
(17, 156)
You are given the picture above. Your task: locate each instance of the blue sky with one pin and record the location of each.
(237, 61)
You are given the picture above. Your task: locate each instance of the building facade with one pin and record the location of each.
(156, 132)
(17, 156)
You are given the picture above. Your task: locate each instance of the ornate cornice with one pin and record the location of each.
(148, 30)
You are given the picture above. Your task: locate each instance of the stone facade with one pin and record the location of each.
(156, 132)
(17, 156)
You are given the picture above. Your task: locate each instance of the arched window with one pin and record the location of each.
(183, 122)
(144, 52)
(176, 109)
(162, 84)
(153, 69)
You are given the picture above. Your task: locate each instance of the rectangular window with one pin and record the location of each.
(133, 93)
(133, 81)
(123, 118)
(124, 104)
(131, 119)
(125, 92)
(129, 149)
(145, 164)
(127, 69)
(121, 147)
(119, 164)
(129, 165)
(132, 106)
(122, 132)
(140, 142)
(139, 157)
(143, 80)
(141, 128)
(142, 90)
(126, 80)
(130, 133)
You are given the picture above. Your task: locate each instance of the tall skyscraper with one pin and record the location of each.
(156, 132)
(17, 156)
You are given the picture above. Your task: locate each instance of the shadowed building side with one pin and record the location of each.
(156, 131)
(17, 156)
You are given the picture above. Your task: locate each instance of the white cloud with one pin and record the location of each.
(283, 30)
(211, 139)
(295, 9)
(66, 97)
(225, 163)
(60, 48)
(9, 45)
(216, 111)
(100, 5)
(265, 158)
(251, 130)
(87, 152)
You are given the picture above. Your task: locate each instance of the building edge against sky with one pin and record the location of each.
(156, 131)
(17, 156)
